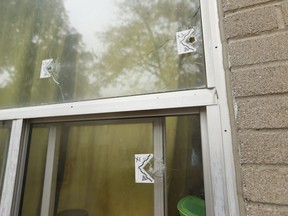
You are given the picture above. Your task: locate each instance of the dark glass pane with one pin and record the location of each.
(5, 129)
(35, 172)
(184, 160)
(99, 49)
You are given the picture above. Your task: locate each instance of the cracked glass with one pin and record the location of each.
(61, 51)
(89, 167)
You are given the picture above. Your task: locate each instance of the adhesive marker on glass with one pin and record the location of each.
(141, 176)
(46, 67)
(185, 41)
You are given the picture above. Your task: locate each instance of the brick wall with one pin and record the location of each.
(256, 32)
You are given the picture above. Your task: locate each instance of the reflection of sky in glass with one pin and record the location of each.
(136, 78)
(89, 17)
(5, 75)
(93, 19)
(100, 49)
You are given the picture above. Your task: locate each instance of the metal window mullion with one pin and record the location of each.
(11, 167)
(21, 168)
(160, 101)
(216, 78)
(47, 206)
(206, 164)
(209, 42)
(159, 179)
(217, 162)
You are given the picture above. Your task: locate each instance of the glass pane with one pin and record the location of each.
(94, 170)
(184, 161)
(5, 129)
(35, 171)
(99, 49)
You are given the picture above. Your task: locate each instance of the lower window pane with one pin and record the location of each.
(5, 129)
(184, 162)
(91, 170)
(35, 172)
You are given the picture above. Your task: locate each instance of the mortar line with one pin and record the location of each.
(272, 2)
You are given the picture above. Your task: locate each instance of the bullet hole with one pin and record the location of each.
(191, 40)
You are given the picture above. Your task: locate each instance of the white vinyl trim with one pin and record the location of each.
(217, 79)
(217, 166)
(169, 100)
(208, 26)
(206, 164)
(11, 168)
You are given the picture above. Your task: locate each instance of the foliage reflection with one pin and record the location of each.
(112, 48)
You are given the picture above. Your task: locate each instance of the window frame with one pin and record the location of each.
(219, 170)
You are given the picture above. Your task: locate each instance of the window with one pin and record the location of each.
(89, 166)
(60, 89)
(55, 52)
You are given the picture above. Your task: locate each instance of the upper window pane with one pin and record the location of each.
(58, 51)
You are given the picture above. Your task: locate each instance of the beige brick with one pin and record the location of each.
(264, 147)
(271, 47)
(266, 210)
(260, 80)
(263, 112)
(251, 21)
(266, 184)
(235, 4)
(285, 11)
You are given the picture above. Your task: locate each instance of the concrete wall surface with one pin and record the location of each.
(255, 36)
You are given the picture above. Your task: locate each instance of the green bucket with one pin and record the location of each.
(191, 206)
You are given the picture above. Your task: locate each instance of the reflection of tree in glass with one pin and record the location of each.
(140, 54)
(34, 30)
(23, 23)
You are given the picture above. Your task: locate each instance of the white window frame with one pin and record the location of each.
(219, 171)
